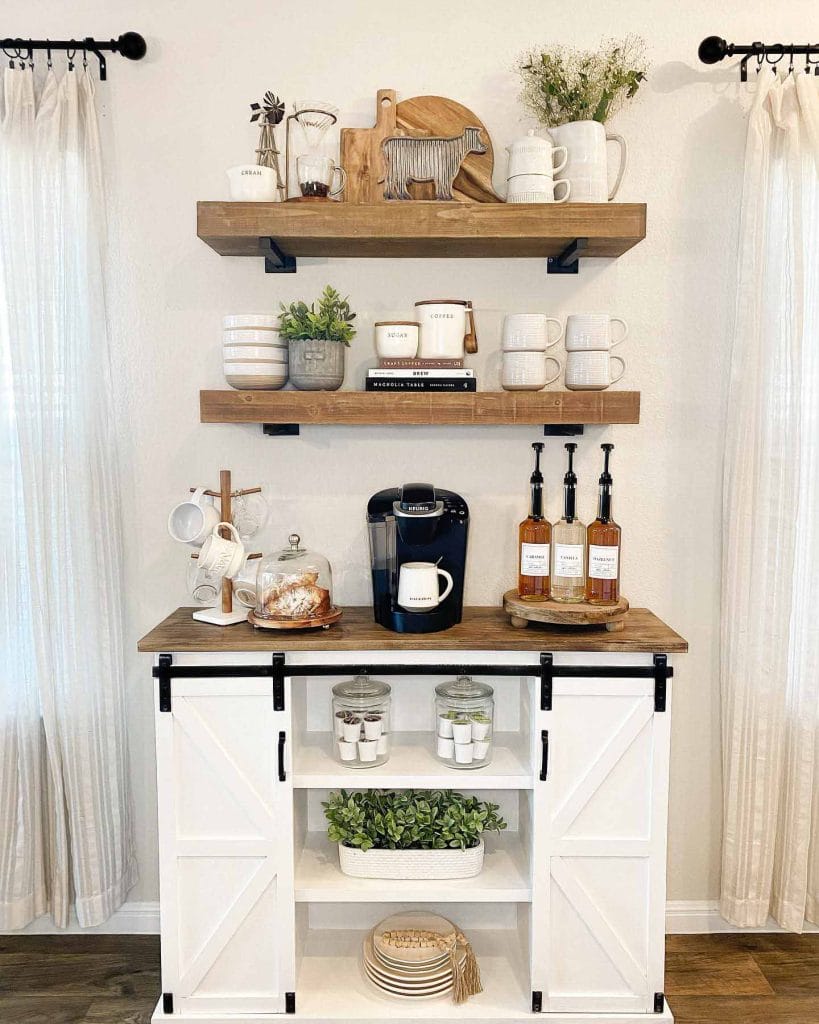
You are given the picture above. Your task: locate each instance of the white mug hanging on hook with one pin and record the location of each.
(587, 167)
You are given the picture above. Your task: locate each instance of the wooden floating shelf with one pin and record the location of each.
(419, 229)
(481, 408)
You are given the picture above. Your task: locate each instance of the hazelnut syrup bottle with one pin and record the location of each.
(534, 540)
(603, 545)
(569, 543)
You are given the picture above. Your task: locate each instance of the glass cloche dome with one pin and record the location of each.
(294, 584)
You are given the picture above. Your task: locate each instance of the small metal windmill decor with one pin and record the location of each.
(269, 113)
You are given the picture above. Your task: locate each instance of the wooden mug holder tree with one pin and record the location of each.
(227, 616)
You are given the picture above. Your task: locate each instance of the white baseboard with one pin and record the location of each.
(682, 917)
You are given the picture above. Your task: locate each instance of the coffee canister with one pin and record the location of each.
(447, 328)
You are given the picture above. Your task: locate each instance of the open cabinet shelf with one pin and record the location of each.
(504, 878)
(481, 408)
(281, 231)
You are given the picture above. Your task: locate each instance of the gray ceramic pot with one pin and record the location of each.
(317, 365)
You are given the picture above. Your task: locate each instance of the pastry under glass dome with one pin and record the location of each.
(294, 584)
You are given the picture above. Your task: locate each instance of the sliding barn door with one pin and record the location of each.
(226, 848)
(598, 911)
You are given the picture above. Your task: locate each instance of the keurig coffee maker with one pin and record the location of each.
(418, 553)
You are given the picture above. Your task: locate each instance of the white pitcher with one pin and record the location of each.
(587, 166)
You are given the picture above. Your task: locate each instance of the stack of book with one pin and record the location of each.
(421, 375)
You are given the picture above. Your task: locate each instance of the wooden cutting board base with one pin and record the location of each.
(362, 158)
(557, 613)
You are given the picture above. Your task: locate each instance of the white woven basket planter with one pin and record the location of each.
(411, 863)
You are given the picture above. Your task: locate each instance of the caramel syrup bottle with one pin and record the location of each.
(534, 541)
(603, 545)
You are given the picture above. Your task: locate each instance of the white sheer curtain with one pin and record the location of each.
(65, 818)
(770, 633)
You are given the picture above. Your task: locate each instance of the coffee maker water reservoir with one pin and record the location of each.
(427, 527)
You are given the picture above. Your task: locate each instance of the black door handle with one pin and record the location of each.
(544, 765)
(282, 772)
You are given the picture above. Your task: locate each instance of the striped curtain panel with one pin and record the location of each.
(770, 584)
(66, 834)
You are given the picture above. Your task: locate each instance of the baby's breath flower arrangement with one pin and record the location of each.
(563, 84)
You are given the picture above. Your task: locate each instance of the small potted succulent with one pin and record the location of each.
(410, 833)
(317, 338)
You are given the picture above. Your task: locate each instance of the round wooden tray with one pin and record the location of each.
(557, 613)
(322, 622)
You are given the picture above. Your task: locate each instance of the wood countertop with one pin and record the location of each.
(482, 629)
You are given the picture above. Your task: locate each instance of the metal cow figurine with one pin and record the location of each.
(438, 159)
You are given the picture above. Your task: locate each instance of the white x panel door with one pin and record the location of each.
(598, 912)
(226, 848)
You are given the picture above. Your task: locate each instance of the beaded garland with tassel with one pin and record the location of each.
(466, 976)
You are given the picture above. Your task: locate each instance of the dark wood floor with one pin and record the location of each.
(114, 979)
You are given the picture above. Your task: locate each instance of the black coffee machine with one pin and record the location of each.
(417, 523)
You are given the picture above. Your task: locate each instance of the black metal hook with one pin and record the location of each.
(49, 62)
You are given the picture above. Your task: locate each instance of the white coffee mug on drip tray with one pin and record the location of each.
(418, 586)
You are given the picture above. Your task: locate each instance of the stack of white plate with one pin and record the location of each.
(409, 973)
(255, 356)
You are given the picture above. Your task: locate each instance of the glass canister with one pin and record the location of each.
(464, 719)
(294, 584)
(361, 722)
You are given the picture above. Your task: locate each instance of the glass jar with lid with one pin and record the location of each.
(464, 720)
(361, 722)
(294, 585)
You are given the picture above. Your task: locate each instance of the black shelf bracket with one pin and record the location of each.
(568, 261)
(562, 429)
(280, 429)
(276, 261)
(163, 675)
(278, 681)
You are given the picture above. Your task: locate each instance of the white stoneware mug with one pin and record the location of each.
(532, 154)
(444, 324)
(529, 332)
(418, 586)
(193, 520)
(526, 371)
(252, 183)
(536, 188)
(591, 370)
(587, 166)
(593, 331)
(396, 339)
(220, 555)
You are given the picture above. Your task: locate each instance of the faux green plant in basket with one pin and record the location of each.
(317, 336)
(409, 819)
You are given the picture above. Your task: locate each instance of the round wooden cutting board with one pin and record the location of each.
(558, 613)
(437, 115)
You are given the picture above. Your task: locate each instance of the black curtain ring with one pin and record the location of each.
(790, 66)
(71, 54)
(49, 62)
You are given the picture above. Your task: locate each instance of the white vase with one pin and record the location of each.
(587, 164)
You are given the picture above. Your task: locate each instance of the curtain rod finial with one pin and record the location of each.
(132, 45)
(712, 50)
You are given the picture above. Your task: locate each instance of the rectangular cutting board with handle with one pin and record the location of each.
(362, 157)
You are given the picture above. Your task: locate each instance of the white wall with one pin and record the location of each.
(174, 122)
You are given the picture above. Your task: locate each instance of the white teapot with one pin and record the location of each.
(532, 154)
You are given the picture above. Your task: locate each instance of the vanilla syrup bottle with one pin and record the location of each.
(534, 539)
(568, 577)
(603, 545)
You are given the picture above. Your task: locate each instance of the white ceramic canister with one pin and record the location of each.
(532, 154)
(446, 325)
(396, 339)
(587, 166)
(252, 183)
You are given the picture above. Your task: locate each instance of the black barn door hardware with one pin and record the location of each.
(282, 772)
(130, 44)
(544, 764)
(660, 672)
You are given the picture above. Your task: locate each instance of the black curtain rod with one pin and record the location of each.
(130, 44)
(714, 49)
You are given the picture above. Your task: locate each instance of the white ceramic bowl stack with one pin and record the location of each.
(525, 341)
(255, 356)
